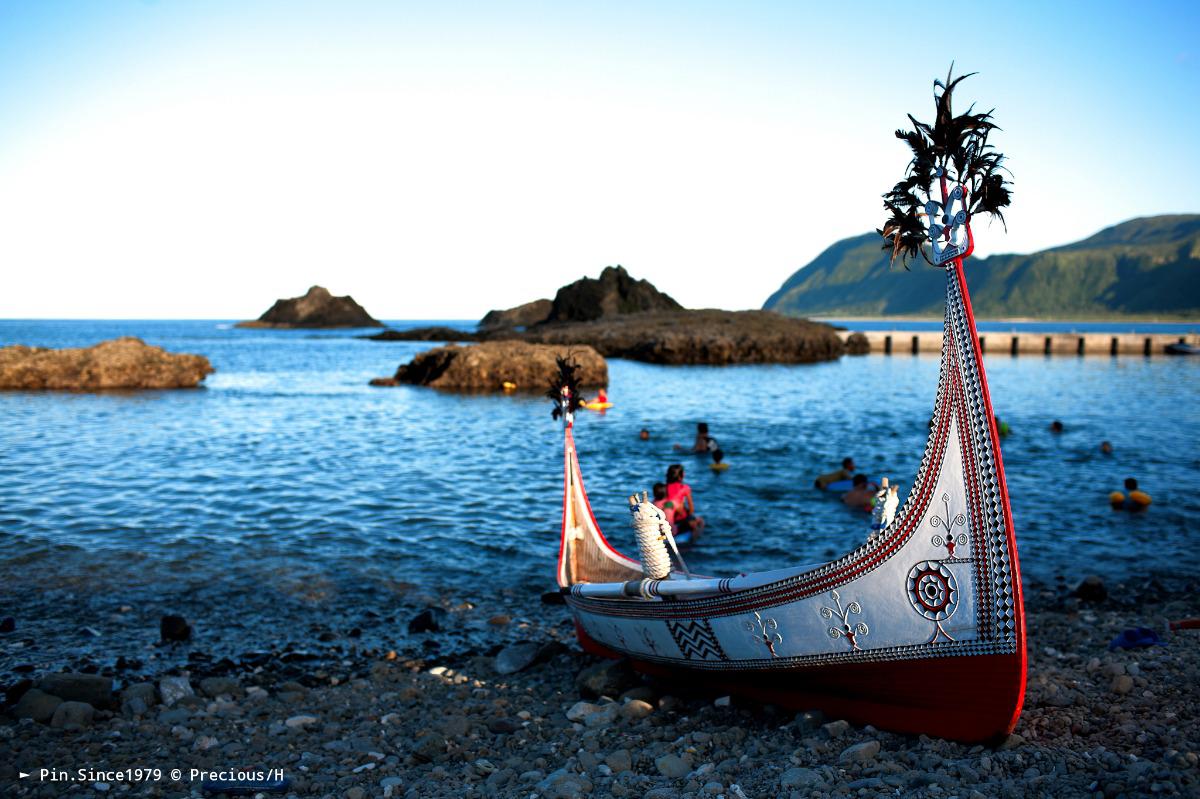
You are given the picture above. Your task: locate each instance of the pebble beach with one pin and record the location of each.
(527, 714)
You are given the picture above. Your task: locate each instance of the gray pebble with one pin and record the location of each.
(73, 716)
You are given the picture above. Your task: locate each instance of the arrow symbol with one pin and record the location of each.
(22, 774)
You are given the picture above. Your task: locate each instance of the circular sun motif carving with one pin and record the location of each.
(932, 590)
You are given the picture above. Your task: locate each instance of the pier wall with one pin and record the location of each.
(906, 342)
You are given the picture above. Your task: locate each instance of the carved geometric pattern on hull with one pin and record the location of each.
(948, 524)
(844, 629)
(695, 639)
(763, 631)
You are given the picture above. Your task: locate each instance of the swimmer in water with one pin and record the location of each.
(718, 461)
(1135, 501)
(680, 493)
(704, 442)
(861, 495)
(666, 505)
(844, 473)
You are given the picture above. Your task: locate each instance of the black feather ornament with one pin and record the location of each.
(957, 145)
(568, 379)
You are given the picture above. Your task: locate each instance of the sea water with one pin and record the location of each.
(288, 473)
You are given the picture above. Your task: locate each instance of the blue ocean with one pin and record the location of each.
(287, 482)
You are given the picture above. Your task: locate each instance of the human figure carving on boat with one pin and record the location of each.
(883, 507)
(680, 493)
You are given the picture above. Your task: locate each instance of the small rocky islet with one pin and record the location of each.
(534, 717)
(496, 365)
(318, 308)
(121, 363)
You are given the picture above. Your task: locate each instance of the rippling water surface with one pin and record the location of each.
(288, 472)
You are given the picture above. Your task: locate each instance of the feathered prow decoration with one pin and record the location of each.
(565, 384)
(955, 148)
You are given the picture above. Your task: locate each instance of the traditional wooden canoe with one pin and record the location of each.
(919, 630)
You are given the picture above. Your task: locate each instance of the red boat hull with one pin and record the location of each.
(969, 699)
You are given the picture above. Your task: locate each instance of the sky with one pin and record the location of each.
(178, 159)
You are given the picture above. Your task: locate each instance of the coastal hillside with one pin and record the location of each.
(1147, 267)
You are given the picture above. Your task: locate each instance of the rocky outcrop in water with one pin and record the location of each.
(699, 337)
(317, 308)
(527, 315)
(620, 317)
(122, 363)
(614, 293)
(434, 333)
(487, 366)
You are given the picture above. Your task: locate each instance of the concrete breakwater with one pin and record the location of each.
(905, 342)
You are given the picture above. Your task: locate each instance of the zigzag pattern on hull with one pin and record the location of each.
(695, 639)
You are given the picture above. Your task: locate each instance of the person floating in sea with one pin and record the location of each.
(1106, 447)
(1137, 500)
(704, 442)
(862, 495)
(1056, 426)
(844, 473)
(680, 493)
(644, 435)
(718, 461)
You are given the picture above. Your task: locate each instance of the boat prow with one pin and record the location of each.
(919, 630)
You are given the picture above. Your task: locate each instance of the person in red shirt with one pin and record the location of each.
(680, 493)
(666, 505)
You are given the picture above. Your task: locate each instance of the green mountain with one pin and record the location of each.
(1148, 267)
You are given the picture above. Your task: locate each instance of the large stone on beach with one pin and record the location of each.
(517, 657)
(594, 715)
(37, 705)
(90, 688)
(122, 363)
(699, 337)
(1091, 589)
(610, 678)
(173, 689)
(798, 778)
(427, 621)
(73, 716)
(138, 698)
(489, 365)
(174, 628)
(221, 686)
(673, 766)
(564, 784)
(317, 308)
(859, 753)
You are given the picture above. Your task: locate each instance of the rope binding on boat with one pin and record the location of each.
(653, 533)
